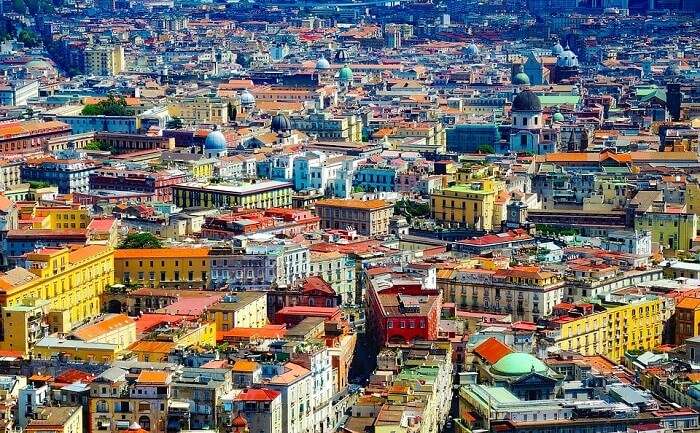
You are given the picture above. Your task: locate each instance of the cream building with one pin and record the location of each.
(104, 60)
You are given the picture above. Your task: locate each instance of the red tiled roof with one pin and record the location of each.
(149, 321)
(315, 283)
(257, 394)
(492, 350)
(72, 376)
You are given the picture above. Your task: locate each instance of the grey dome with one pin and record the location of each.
(526, 101)
(322, 63)
(472, 50)
(672, 70)
(215, 141)
(281, 123)
(247, 98)
(567, 59)
(557, 49)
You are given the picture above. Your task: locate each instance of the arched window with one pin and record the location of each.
(145, 422)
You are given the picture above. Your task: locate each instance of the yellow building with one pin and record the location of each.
(152, 351)
(692, 197)
(239, 310)
(673, 231)
(200, 109)
(104, 60)
(469, 204)
(60, 217)
(24, 325)
(57, 419)
(433, 133)
(163, 267)
(116, 329)
(53, 347)
(327, 126)
(116, 403)
(187, 334)
(71, 280)
(260, 195)
(617, 329)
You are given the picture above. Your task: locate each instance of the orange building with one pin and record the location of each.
(687, 319)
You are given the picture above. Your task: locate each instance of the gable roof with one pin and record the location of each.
(492, 350)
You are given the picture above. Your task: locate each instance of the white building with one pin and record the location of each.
(295, 385)
(318, 361)
(628, 241)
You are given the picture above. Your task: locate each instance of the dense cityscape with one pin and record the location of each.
(378, 216)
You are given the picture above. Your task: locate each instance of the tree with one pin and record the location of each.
(28, 38)
(411, 209)
(98, 145)
(486, 148)
(108, 107)
(140, 241)
(19, 6)
(174, 123)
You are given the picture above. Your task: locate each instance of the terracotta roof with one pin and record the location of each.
(257, 394)
(266, 332)
(102, 224)
(94, 330)
(73, 375)
(149, 321)
(88, 252)
(152, 346)
(354, 203)
(293, 372)
(245, 366)
(689, 303)
(157, 253)
(153, 377)
(315, 283)
(492, 350)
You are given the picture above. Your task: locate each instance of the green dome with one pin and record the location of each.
(558, 117)
(521, 79)
(345, 74)
(518, 364)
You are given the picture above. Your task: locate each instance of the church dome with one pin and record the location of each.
(345, 74)
(557, 49)
(558, 117)
(239, 421)
(472, 50)
(247, 98)
(215, 141)
(526, 101)
(672, 69)
(322, 63)
(521, 79)
(281, 123)
(567, 59)
(518, 364)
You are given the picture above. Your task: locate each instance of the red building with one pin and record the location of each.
(401, 311)
(291, 316)
(17, 137)
(277, 221)
(310, 292)
(159, 184)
